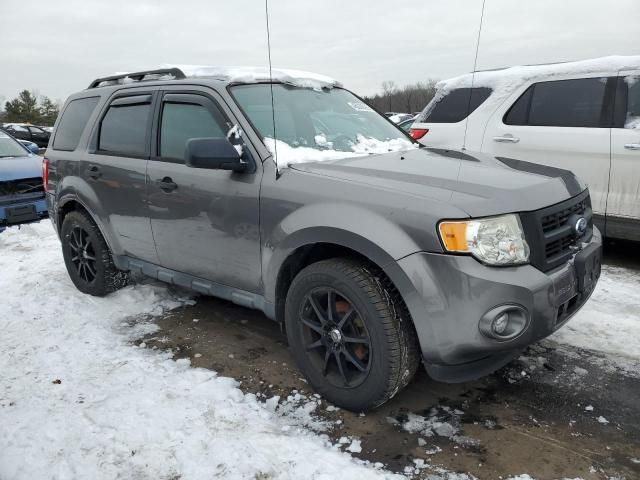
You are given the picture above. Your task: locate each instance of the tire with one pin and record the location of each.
(87, 257)
(369, 331)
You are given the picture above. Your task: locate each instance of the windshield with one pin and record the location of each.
(10, 148)
(313, 125)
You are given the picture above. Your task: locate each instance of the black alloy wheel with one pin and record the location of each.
(83, 254)
(336, 340)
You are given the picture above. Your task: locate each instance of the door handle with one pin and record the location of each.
(506, 138)
(632, 146)
(94, 172)
(167, 184)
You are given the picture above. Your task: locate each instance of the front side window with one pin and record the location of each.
(74, 120)
(183, 121)
(124, 129)
(455, 105)
(561, 103)
(315, 125)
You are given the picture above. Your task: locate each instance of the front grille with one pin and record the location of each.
(13, 191)
(551, 232)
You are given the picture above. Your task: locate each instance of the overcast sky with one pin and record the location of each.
(58, 47)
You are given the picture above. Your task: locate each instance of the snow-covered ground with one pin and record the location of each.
(79, 400)
(610, 321)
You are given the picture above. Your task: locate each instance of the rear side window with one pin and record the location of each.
(561, 103)
(71, 125)
(124, 128)
(183, 121)
(455, 105)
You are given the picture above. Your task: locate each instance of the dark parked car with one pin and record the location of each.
(23, 131)
(376, 253)
(21, 191)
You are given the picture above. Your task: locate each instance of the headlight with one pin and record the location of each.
(494, 241)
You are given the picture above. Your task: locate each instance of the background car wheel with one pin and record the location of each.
(88, 258)
(350, 333)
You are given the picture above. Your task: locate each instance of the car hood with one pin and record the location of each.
(15, 168)
(476, 183)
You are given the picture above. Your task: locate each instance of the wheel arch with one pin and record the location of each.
(71, 203)
(312, 246)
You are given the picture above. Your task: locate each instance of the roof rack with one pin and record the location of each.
(176, 73)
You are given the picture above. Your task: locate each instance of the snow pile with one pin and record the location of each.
(441, 421)
(285, 155)
(610, 320)
(77, 400)
(297, 78)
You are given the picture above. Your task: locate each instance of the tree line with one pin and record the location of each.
(408, 99)
(27, 107)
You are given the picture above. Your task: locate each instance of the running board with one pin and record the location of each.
(200, 285)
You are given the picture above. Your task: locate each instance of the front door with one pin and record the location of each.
(205, 222)
(623, 206)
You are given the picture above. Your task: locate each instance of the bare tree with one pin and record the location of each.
(410, 99)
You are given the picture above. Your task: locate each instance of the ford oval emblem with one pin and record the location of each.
(581, 226)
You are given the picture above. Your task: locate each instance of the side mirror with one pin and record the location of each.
(214, 154)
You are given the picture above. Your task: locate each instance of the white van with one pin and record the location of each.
(581, 116)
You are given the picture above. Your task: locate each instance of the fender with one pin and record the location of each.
(350, 226)
(73, 188)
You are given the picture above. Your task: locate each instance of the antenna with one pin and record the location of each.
(473, 77)
(273, 110)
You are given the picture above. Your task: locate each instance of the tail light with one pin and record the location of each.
(418, 133)
(45, 173)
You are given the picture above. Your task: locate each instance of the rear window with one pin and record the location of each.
(124, 128)
(72, 123)
(455, 105)
(561, 103)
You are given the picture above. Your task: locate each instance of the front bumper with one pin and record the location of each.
(35, 211)
(449, 295)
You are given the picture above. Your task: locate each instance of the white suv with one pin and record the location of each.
(580, 116)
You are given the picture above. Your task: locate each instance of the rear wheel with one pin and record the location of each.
(350, 333)
(87, 257)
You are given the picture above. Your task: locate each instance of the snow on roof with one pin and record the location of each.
(511, 78)
(296, 78)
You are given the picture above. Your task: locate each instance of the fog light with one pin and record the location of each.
(500, 323)
(505, 322)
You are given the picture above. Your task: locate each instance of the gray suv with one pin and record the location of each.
(286, 193)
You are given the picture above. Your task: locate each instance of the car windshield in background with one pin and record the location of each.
(10, 148)
(311, 124)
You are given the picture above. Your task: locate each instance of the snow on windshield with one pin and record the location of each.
(285, 155)
(296, 78)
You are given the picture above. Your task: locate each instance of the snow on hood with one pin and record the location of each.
(508, 79)
(285, 155)
(296, 78)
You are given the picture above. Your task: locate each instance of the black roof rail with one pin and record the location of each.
(137, 76)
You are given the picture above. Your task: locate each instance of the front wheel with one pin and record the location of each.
(350, 333)
(88, 258)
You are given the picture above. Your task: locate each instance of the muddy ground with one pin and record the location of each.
(539, 415)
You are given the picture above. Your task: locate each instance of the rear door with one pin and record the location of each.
(115, 170)
(623, 207)
(563, 123)
(205, 222)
